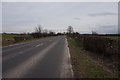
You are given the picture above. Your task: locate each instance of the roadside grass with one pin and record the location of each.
(0, 40)
(0, 35)
(83, 67)
(113, 37)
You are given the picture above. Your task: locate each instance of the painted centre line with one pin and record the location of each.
(39, 45)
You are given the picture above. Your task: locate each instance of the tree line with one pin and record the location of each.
(39, 32)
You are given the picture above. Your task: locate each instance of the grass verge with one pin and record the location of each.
(83, 67)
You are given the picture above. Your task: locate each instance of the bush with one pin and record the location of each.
(21, 38)
(97, 44)
(36, 35)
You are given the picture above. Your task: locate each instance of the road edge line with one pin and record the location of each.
(70, 59)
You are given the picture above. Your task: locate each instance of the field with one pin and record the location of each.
(113, 37)
(8, 39)
(8, 36)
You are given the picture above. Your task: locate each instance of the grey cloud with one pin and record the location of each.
(24, 16)
(76, 18)
(103, 14)
(108, 29)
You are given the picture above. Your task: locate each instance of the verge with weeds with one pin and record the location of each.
(83, 67)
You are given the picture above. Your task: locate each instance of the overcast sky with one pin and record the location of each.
(57, 16)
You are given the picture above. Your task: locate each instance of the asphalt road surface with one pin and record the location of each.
(44, 58)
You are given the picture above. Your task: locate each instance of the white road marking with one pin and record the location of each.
(14, 48)
(24, 67)
(39, 45)
(24, 44)
(66, 71)
(14, 55)
(20, 43)
(69, 59)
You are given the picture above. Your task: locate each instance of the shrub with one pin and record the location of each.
(21, 38)
(97, 44)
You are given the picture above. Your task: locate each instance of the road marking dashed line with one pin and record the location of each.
(23, 68)
(39, 45)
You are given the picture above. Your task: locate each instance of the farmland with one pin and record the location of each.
(9, 36)
(113, 37)
(8, 39)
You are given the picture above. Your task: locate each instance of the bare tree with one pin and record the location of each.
(38, 29)
(94, 32)
(70, 29)
(45, 31)
(51, 32)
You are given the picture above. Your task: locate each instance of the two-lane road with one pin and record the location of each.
(45, 58)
